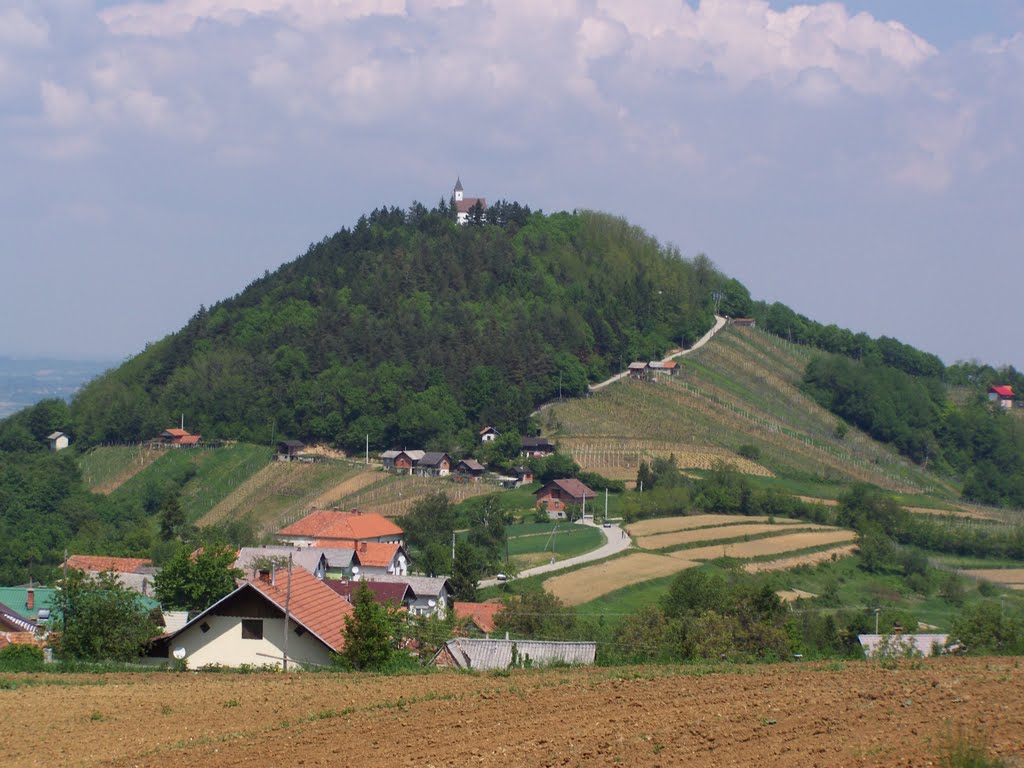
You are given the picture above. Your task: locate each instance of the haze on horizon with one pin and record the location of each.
(860, 161)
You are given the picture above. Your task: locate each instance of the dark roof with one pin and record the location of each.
(537, 442)
(522, 471)
(472, 465)
(11, 621)
(458, 184)
(432, 459)
(571, 486)
(383, 592)
(292, 443)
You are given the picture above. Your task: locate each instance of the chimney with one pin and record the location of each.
(30, 599)
(266, 575)
(362, 546)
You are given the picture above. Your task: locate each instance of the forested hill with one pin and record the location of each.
(412, 330)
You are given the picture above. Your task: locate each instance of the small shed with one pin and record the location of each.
(433, 464)
(638, 370)
(744, 322)
(58, 441)
(489, 434)
(483, 654)
(289, 450)
(1002, 395)
(469, 469)
(537, 447)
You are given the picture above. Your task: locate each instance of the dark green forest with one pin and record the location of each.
(412, 330)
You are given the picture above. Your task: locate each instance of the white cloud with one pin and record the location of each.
(19, 30)
(62, 105)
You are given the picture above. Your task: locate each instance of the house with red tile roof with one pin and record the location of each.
(398, 594)
(249, 625)
(464, 205)
(558, 495)
(178, 438)
(1002, 395)
(136, 573)
(330, 528)
(476, 618)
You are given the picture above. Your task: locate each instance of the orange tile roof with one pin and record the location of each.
(175, 432)
(189, 440)
(375, 554)
(341, 526)
(99, 564)
(481, 614)
(313, 604)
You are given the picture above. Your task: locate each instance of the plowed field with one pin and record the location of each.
(689, 522)
(721, 532)
(776, 545)
(791, 715)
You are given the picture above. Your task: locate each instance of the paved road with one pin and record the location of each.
(616, 540)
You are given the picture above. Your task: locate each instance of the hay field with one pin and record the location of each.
(776, 545)
(586, 584)
(675, 538)
(658, 525)
(1007, 577)
(811, 558)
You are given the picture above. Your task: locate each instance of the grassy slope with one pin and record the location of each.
(740, 389)
(107, 468)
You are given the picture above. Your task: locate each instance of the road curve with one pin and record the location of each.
(616, 540)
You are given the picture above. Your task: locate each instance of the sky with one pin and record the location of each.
(860, 161)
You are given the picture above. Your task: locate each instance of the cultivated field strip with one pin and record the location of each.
(1008, 577)
(613, 456)
(677, 538)
(776, 545)
(586, 584)
(810, 558)
(688, 522)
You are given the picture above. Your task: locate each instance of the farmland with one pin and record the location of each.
(740, 390)
(855, 713)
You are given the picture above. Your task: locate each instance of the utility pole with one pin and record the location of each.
(367, 447)
(287, 603)
(877, 611)
(453, 546)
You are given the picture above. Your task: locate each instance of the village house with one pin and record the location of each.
(469, 470)
(744, 322)
(289, 450)
(900, 644)
(536, 447)
(35, 604)
(489, 435)
(327, 529)
(558, 495)
(15, 628)
(433, 464)
(476, 619)
(248, 626)
(1002, 395)
(401, 462)
(135, 573)
(380, 559)
(638, 370)
(398, 595)
(252, 559)
(464, 205)
(178, 438)
(482, 654)
(58, 441)
(434, 594)
(667, 368)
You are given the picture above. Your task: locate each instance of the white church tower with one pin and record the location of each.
(458, 190)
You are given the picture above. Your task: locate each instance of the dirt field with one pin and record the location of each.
(798, 715)
(813, 558)
(776, 545)
(328, 498)
(577, 587)
(688, 522)
(675, 538)
(1010, 577)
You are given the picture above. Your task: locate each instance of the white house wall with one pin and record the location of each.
(223, 644)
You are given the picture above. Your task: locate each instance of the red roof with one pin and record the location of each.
(176, 432)
(189, 440)
(334, 527)
(485, 430)
(371, 553)
(98, 564)
(1003, 391)
(383, 592)
(466, 204)
(313, 604)
(481, 614)
(572, 487)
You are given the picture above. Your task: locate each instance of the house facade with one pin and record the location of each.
(433, 464)
(536, 447)
(489, 435)
(638, 370)
(58, 441)
(434, 594)
(1002, 395)
(558, 495)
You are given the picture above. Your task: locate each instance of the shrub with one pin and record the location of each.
(21, 657)
(751, 452)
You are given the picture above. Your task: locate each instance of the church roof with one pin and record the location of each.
(458, 184)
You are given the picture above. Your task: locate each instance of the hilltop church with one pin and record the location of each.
(463, 205)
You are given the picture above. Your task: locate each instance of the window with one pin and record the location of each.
(300, 631)
(204, 627)
(252, 629)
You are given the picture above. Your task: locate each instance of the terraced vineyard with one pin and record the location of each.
(740, 389)
(107, 468)
(677, 543)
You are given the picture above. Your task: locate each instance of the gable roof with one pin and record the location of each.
(423, 586)
(189, 440)
(326, 524)
(570, 486)
(55, 435)
(465, 205)
(17, 599)
(11, 621)
(475, 653)
(375, 554)
(175, 432)
(481, 614)
(307, 558)
(488, 429)
(383, 592)
(1003, 390)
(292, 443)
(432, 459)
(101, 564)
(638, 366)
(472, 465)
(313, 604)
(537, 442)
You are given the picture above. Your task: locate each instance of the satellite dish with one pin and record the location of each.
(355, 569)
(431, 603)
(179, 653)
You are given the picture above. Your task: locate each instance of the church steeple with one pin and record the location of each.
(458, 189)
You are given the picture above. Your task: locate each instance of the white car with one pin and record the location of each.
(501, 577)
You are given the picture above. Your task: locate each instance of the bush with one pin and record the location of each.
(21, 657)
(751, 452)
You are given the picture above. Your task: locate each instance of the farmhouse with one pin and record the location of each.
(33, 603)
(331, 529)
(248, 626)
(557, 495)
(58, 441)
(481, 654)
(464, 205)
(667, 368)
(469, 469)
(489, 435)
(398, 595)
(744, 322)
(136, 573)
(380, 559)
(289, 450)
(178, 438)
(537, 447)
(433, 593)
(1002, 395)
(401, 462)
(433, 464)
(477, 618)
(638, 370)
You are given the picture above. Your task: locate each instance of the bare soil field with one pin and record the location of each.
(675, 538)
(1010, 577)
(798, 715)
(586, 584)
(330, 497)
(776, 545)
(811, 558)
(687, 522)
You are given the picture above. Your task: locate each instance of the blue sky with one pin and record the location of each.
(859, 161)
